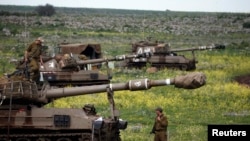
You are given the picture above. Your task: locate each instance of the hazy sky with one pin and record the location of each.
(162, 5)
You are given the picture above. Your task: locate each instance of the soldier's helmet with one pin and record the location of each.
(159, 109)
(83, 57)
(66, 56)
(40, 39)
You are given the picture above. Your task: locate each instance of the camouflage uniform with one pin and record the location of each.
(34, 51)
(160, 128)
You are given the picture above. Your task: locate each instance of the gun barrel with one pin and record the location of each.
(189, 81)
(132, 85)
(199, 48)
(22, 92)
(117, 58)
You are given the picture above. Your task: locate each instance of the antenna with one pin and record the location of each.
(143, 25)
(25, 30)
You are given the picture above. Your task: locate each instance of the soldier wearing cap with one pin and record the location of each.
(32, 56)
(160, 125)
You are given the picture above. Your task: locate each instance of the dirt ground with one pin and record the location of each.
(244, 80)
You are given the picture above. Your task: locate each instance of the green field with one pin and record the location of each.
(220, 101)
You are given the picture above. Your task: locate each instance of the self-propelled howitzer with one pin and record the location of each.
(162, 56)
(73, 69)
(23, 117)
(70, 70)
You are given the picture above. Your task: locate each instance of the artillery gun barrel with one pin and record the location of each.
(117, 58)
(26, 92)
(189, 81)
(132, 85)
(199, 48)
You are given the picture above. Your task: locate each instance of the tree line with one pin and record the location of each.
(41, 10)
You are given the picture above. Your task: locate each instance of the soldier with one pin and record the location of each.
(63, 59)
(32, 56)
(160, 126)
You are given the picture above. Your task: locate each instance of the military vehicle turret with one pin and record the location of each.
(23, 116)
(160, 55)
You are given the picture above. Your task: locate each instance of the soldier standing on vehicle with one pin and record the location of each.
(32, 56)
(160, 126)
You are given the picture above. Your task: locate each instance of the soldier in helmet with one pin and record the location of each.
(62, 60)
(160, 125)
(32, 57)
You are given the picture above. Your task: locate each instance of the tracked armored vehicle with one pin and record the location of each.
(62, 68)
(74, 65)
(160, 55)
(23, 116)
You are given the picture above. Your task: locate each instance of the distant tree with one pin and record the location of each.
(47, 10)
(246, 25)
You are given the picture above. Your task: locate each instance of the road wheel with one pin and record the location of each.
(184, 67)
(22, 139)
(43, 139)
(64, 139)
